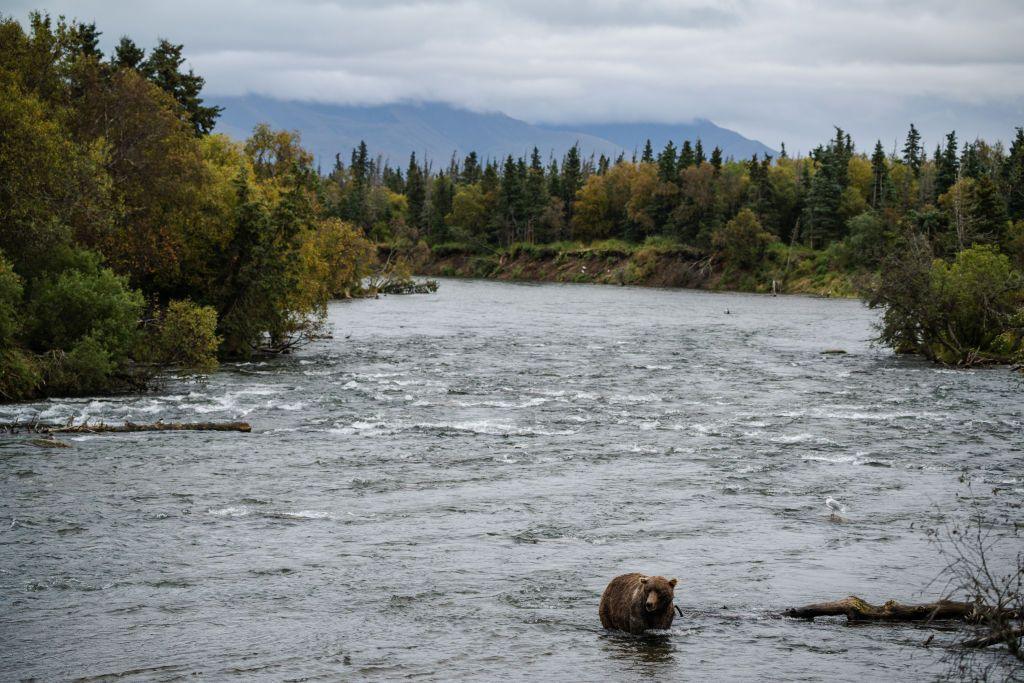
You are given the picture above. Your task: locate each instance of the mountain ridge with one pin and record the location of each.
(435, 131)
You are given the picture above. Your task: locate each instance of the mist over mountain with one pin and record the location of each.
(435, 131)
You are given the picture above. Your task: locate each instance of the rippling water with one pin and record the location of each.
(444, 489)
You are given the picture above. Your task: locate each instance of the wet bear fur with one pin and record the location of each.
(636, 603)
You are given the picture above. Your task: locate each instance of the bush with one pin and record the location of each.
(742, 241)
(87, 320)
(10, 303)
(20, 375)
(962, 313)
(187, 337)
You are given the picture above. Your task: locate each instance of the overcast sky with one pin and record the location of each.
(776, 70)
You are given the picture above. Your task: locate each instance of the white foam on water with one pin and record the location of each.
(231, 511)
(307, 514)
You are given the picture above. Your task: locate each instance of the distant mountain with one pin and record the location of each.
(633, 136)
(435, 130)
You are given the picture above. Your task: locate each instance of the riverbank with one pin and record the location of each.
(794, 270)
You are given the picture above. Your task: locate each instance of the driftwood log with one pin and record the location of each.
(87, 428)
(855, 609)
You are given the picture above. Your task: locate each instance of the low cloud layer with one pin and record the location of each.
(777, 70)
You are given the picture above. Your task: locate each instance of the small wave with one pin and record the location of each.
(492, 429)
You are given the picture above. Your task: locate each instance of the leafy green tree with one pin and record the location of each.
(955, 313)
(742, 241)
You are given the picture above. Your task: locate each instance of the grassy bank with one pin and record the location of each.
(653, 263)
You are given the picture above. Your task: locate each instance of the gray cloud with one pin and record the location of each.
(778, 70)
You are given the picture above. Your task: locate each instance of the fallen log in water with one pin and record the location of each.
(87, 428)
(856, 609)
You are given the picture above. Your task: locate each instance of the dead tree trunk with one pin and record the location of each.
(856, 609)
(127, 427)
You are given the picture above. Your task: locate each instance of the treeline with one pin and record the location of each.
(950, 222)
(130, 237)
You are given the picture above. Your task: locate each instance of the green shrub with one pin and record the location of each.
(187, 337)
(20, 375)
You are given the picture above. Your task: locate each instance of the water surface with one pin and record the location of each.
(443, 489)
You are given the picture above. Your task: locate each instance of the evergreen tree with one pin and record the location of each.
(987, 210)
(716, 159)
(536, 193)
(1013, 177)
(667, 172)
(442, 193)
(554, 179)
(782, 151)
(415, 193)
(698, 153)
(128, 55)
(947, 165)
(164, 68)
(913, 154)
(648, 155)
(879, 177)
(686, 156)
(470, 169)
(821, 216)
(970, 162)
(86, 41)
(572, 180)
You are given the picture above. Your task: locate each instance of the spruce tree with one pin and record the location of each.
(648, 155)
(415, 193)
(470, 169)
(1013, 177)
(572, 179)
(913, 154)
(879, 177)
(698, 153)
(164, 69)
(667, 164)
(716, 159)
(128, 55)
(686, 156)
(947, 165)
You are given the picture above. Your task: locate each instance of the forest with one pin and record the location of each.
(133, 238)
(937, 240)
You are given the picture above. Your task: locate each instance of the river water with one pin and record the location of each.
(444, 488)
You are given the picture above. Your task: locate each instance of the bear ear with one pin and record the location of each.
(643, 579)
(672, 583)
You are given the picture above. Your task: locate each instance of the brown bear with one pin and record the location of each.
(636, 603)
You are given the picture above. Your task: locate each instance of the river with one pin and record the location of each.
(444, 488)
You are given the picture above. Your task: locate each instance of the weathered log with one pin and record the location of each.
(856, 609)
(99, 427)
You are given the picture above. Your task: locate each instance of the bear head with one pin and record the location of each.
(658, 593)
